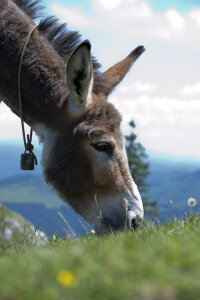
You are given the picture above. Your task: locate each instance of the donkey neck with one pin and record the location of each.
(43, 84)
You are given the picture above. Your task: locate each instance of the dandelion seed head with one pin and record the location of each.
(192, 202)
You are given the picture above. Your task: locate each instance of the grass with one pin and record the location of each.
(153, 263)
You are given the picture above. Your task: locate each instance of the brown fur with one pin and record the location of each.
(122, 67)
(44, 87)
(75, 168)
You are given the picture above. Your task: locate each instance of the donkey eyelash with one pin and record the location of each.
(103, 147)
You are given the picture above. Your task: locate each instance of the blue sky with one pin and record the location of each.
(85, 5)
(180, 5)
(158, 5)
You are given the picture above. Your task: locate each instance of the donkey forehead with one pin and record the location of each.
(101, 119)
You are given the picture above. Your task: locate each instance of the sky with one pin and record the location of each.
(162, 90)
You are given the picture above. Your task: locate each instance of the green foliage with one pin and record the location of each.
(139, 167)
(156, 262)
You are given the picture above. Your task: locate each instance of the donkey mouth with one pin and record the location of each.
(136, 223)
(123, 213)
(107, 224)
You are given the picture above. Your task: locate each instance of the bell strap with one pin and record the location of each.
(27, 143)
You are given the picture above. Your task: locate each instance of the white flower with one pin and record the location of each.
(192, 202)
(92, 232)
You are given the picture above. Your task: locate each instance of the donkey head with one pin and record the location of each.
(87, 162)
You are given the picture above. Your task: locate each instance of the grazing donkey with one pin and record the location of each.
(65, 102)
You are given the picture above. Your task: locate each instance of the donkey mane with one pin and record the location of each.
(64, 41)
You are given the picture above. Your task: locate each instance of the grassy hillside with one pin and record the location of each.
(26, 188)
(154, 263)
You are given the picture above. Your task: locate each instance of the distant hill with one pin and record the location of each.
(28, 189)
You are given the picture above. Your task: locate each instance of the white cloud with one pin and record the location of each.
(195, 16)
(140, 87)
(191, 90)
(162, 123)
(10, 124)
(110, 4)
(144, 87)
(142, 10)
(137, 19)
(74, 16)
(175, 19)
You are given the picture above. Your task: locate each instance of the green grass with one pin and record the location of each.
(154, 263)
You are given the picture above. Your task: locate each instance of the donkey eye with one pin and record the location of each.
(103, 147)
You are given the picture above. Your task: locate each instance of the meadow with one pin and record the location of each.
(156, 262)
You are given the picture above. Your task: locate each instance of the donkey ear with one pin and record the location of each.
(117, 72)
(80, 74)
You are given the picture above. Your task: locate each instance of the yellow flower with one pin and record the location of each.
(67, 278)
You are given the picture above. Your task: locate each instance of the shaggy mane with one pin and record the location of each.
(63, 40)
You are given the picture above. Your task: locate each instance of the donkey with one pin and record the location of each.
(65, 102)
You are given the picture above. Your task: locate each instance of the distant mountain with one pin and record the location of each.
(10, 160)
(175, 180)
